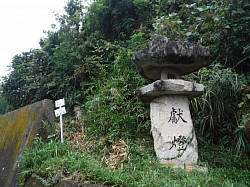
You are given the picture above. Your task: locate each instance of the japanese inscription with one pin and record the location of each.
(180, 143)
(176, 115)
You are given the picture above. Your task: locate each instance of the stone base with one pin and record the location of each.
(188, 168)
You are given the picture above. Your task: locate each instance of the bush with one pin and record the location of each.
(223, 26)
(217, 113)
(3, 104)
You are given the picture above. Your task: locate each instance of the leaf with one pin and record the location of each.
(189, 33)
(241, 126)
(200, 9)
(216, 18)
(248, 96)
(198, 18)
(191, 5)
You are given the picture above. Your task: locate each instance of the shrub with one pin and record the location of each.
(216, 113)
(223, 26)
(3, 104)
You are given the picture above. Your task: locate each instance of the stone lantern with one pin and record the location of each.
(172, 128)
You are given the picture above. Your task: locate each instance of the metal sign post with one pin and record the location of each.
(59, 112)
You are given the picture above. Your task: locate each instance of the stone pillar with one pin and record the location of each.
(172, 130)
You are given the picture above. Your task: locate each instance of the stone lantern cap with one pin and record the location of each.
(165, 59)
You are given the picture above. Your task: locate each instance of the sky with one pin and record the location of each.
(22, 23)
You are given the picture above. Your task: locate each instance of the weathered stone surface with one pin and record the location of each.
(170, 87)
(173, 131)
(169, 59)
(17, 131)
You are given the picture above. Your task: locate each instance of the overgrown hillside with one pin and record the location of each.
(87, 60)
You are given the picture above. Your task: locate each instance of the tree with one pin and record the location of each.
(223, 26)
(118, 19)
(28, 80)
(3, 104)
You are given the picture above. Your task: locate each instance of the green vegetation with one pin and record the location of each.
(88, 61)
(217, 113)
(3, 104)
(54, 160)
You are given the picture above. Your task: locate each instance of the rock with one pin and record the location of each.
(172, 130)
(169, 59)
(17, 131)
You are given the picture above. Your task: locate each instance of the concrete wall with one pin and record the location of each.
(17, 131)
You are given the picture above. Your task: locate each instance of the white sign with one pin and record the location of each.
(60, 103)
(59, 112)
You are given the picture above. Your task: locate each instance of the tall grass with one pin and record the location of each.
(53, 161)
(216, 112)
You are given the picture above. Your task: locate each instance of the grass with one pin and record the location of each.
(54, 160)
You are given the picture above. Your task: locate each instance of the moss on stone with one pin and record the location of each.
(17, 131)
